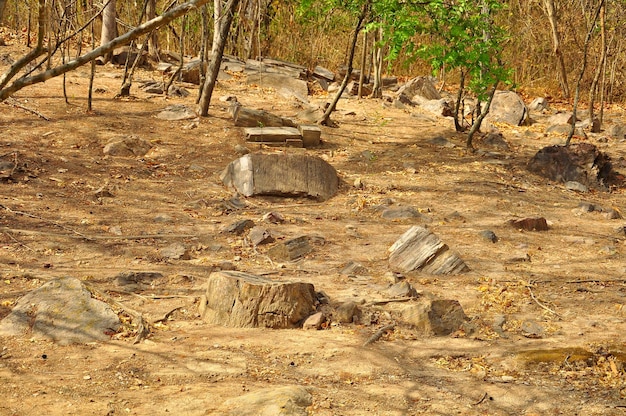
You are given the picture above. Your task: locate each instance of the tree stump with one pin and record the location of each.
(243, 300)
(580, 162)
(282, 175)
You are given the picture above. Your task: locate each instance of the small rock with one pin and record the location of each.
(314, 321)
(238, 227)
(273, 217)
(398, 213)
(259, 236)
(163, 218)
(226, 265)
(402, 289)
(538, 104)
(176, 251)
(586, 207)
(530, 224)
(613, 214)
(103, 192)
(520, 258)
(576, 186)
(347, 313)
(353, 268)
(441, 141)
(489, 236)
(129, 146)
(531, 329)
(358, 183)
(115, 230)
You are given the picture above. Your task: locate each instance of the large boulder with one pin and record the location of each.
(507, 107)
(283, 175)
(244, 300)
(419, 86)
(62, 311)
(579, 162)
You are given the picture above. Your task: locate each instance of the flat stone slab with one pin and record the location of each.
(420, 249)
(244, 300)
(282, 175)
(62, 311)
(271, 134)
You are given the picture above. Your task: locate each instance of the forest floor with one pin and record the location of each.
(570, 286)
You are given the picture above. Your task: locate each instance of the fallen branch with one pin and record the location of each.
(142, 328)
(482, 399)
(27, 214)
(17, 241)
(16, 104)
(378, 334)
(95, 237)
(166, 316)
(386, 301)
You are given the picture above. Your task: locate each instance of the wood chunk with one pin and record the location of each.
(272, 134)
(283, 175)
(420, 249)
(291, 249)
(247, 117)
(530, 224)
(244, 300)
(311, 135)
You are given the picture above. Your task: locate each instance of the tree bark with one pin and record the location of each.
(598, 75)
(100, 51)
(109, 26)
(219, 42)
(359, 25)
(551, 12)
(3, 3)
(153, 39)
(479, 120)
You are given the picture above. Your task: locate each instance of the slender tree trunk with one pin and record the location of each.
(598, 75)
(556, 43)
(219, 43)
(3, 3)
(217, 16)
(153, 39)
(92, 72)
(363, 64)
(479, 119)
(359, 25)
(582, 71)
(377, 65)
(458, 121)
(109, 26)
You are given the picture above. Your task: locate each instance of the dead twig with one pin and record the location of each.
(386, 301)
(95, 237)
(16, 104)
(378, 334)
(18, 242)
(532, 295)
(482, 399)
(27, 214)
(166, 316)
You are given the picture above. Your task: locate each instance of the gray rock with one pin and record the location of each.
(613, 214)
(402, 289)
(531, 329)
(399, 213)
(434, 317)
(131, 280)
(440, 107)
(441, 141)
(538, 104)
(128, 146)
(177, 112)
(286, 86)
(420, 86)
(175, 251)
(238, 227)
(272, 401)
(561, 118)
(354, 268)
(576, 186)
(489, 236)
(617, 131)
(259, 236)
(63, 311)
(507, 107)
(347, 313)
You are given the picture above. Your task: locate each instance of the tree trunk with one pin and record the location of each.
(363, 64)
(124, 39)
(109, 27)
(552, 18)
(479, 120)
(153, 39)
(359, 25)
(582, 71)
(3, 3)
(219, 42)
(598, 75)
(377, 65)
(217, 16)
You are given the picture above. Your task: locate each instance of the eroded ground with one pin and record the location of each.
(52, 224)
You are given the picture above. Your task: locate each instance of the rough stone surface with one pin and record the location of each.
(284, 85)
(347, 313)
(238, 299)
(291, 249)
(507, 107)
(399, 213)
(420, 249)
(422, 86)
(274, 401)
(434, 317)
(580, 162)
(176, 251)
(530, 224)
(538, 104)
(315, 321)
(489, 236)
(177, 112)
(128, 146)
(284, 175)
(63, 311)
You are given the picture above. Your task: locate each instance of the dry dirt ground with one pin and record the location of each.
(52, 224)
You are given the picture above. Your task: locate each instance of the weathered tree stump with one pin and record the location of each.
(244, 300)
(420, 249)
(282, 175)
(580, 162)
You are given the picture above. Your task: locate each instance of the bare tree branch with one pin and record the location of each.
(100, 51)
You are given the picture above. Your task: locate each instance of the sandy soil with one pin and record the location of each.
(52, 224)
